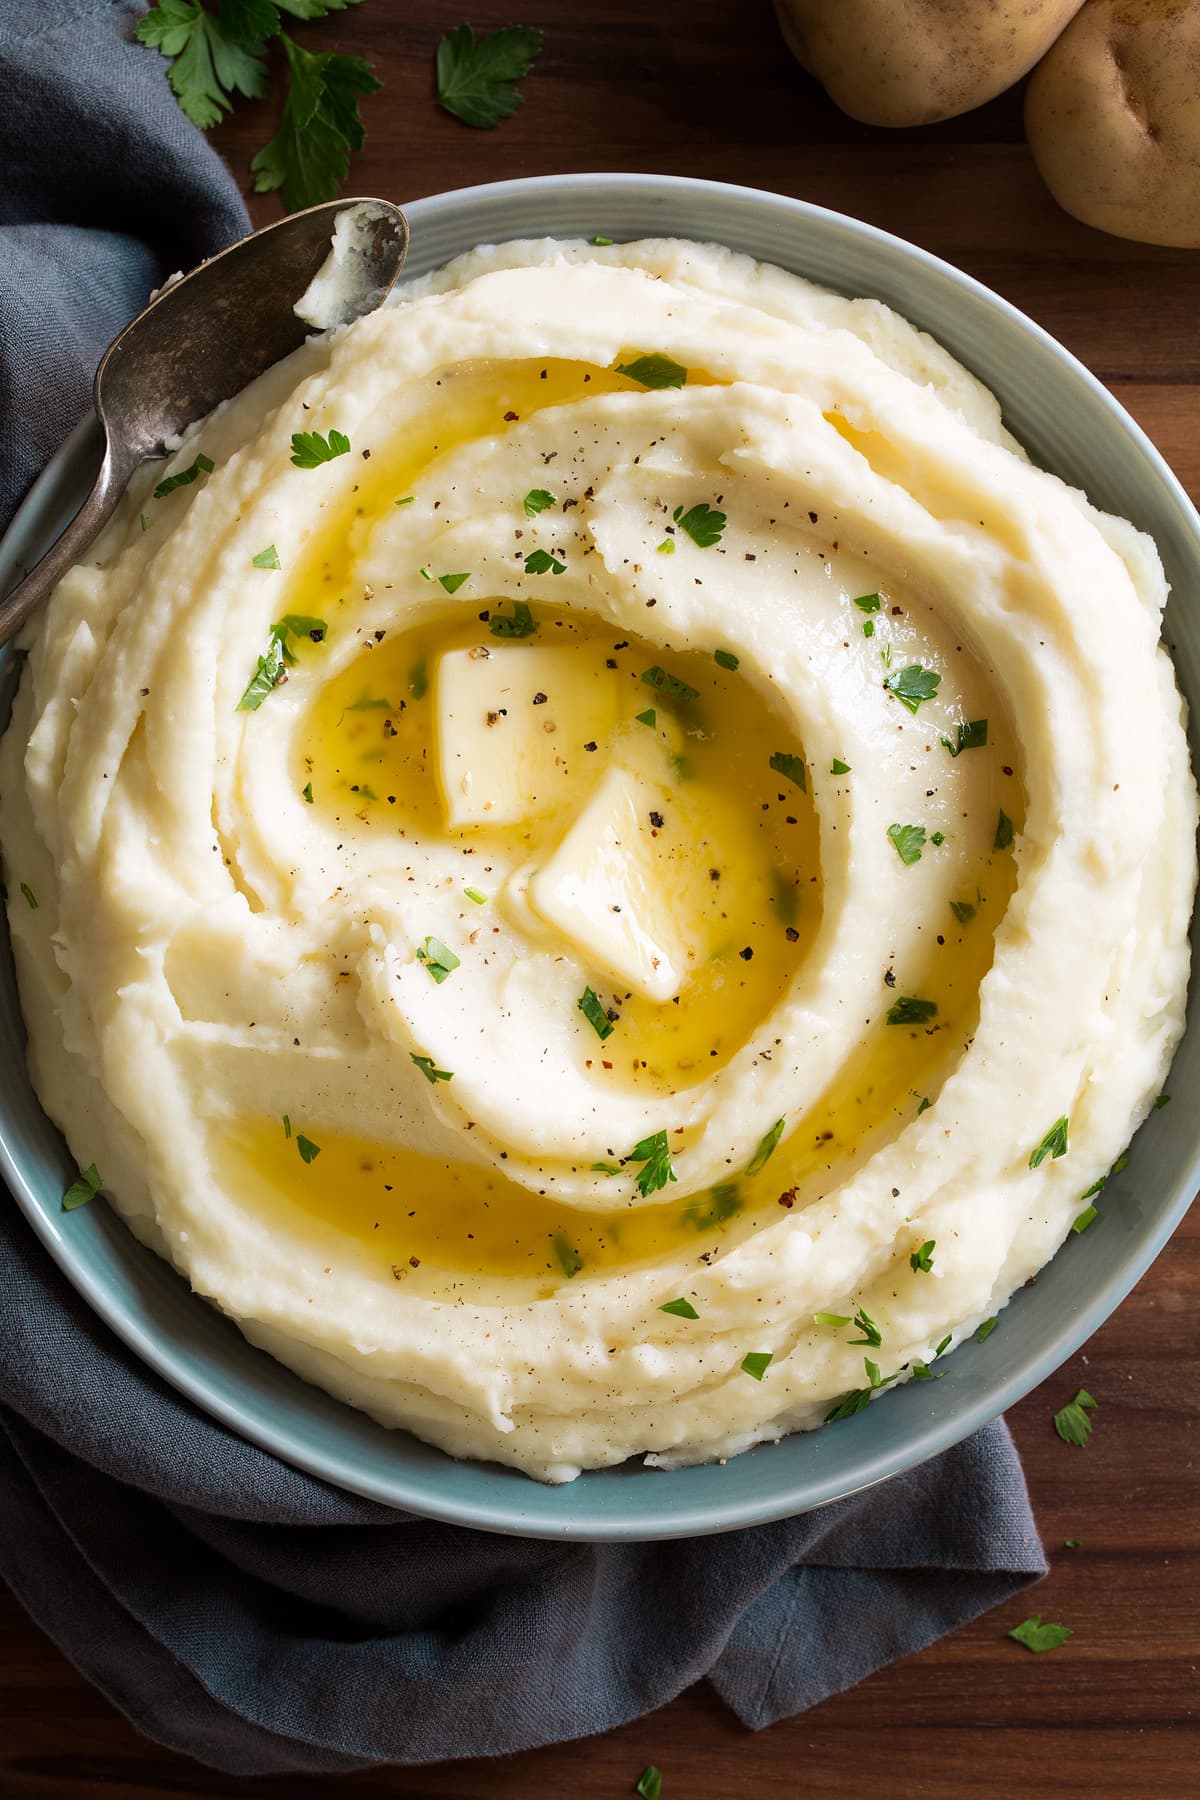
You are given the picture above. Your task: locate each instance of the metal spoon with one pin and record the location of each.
(199, 342)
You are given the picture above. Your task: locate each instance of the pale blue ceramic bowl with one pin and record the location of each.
(1069, 424)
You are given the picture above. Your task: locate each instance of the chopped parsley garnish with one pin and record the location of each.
(475, 77)
(1036, 1636)
(655, 371)
(766, 1148)
(921, 1261)
(84, 1188)
(521, 625)
(1072, 1543)
(605, 1168)
(655, 1154)
(29, 896)
(405, 500)
(429, 1070)
(943, 1343)
(854, 1402)
(277, 655)
(266, 559)
(477, 895)
(868, 628)
(913, 684)
(287, 1127)
(681, 1308)
(832, 1319)
(1004, 832)
(203, 465)
(909, 841)
(595, 1014)
(925, 1105)
(937, 837)
(439, 960)
(418, 680)
(649, 717)
(838, 767)
(971, 736)
(306, 792)
(985, 1330)
(544, 562)
(703, 524)
(537, 500)
(1161, 1100)
(872, 1337)
(144, 521)
(910, 1011)
(963, 911)
(725, 659)
(757, 1363)
(1086, 1217)
(868, 603)
(301, 625)
(308, 1150)
(791, 768)
(670, 685)
(310, 449)
(1072, 1423)
(724, 1201)
(1054, 1144)
(452, 583)
(569, 1258)
(649, 1783)
(666, 548)
(600, 242)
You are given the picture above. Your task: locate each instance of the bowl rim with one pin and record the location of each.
(525, 1510)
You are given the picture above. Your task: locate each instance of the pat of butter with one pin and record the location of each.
(512, 725)
(609, 888)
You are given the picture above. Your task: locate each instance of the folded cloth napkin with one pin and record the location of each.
(231, 1606)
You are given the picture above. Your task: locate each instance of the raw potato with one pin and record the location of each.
(911, 62)
(1113, 119)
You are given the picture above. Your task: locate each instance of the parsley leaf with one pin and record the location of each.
(306, 792)
(653, 1151)
(1072, 1423)
(1004, 832)
(703, 524)
(310, 449)
(202, 465)
(536, 501)
(452, 583)
(670, 685)
(909, 841)
(83, 1189)
(922, 1260)
(655, 371)
(209, 62)
(521, 625)
(913, 684)
(766, 1148)
(791, 768)
(309, 1151)
(757, 1363)
(649, 717)
(475, 77)
(649, 1783)
(681, 1308)
(569, 1258)
(1036, 1636)
(838, 767)
(1054, 1144)
(29, 897)
(971, 736)
(868, 603)
(595, 1014)
(438, 959)
(309, 156)
(426, 1066)
(963, 911)
(725, 659)
(266, 559)
(268, 674)
(909, 1011)
(544, 562)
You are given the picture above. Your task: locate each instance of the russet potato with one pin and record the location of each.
(1113, 119)
(911, 62)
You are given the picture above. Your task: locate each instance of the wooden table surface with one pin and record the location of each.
(707, 88)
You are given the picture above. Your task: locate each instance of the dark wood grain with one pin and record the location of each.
(707, 88)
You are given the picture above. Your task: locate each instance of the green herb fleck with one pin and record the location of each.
(868, 603)
(605, 1168)
(310, 449)
(1080, 1225)
(871, 1335)
(766, 1148)
(1054, 1144)
(681, 1308)
(595, 1014)
(1036, 1636)
(910, 1011)
(925, 1105)
(600, 242)
(791, 768)
(649, 717)
(703, 524)
(725, 659)
(268, 674)
(963, 911)
(655, 1154)
(405, 500)
(655, 372)
(649, 1783)
(569, 1258)
(429, 1070)
(144, 521)
(985, 1330)
(308, 1150)
(29, 896)
(670, 685)
(287, 1127)
(921, 1261)
(418, 680)
(475, 77)
(971, 736)
(452, 583)
(1161, 1100)
(84, 1188)
(839, 768)
(306, 792)
(202, 465)
(868, 628)
(723, 1202)
(938, 838)
(854, 1402)
(666, 548)
(439, 960)
(913, 684)
(757, 1363)
(1072, 1543)
(1072, 1423)
(1004, 832)
(544, 562)
(521, 625)
(267, 559)
(943, 1343)
(477, 895)
(833, 1319)
(909, 841)
(537, 500)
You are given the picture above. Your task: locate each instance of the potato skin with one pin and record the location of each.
(911, 62)
(1113, 119)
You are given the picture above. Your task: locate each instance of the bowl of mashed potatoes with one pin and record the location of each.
(599, 871)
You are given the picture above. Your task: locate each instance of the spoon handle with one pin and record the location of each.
(62, 555)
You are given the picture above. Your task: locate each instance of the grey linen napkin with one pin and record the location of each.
(233, 1607)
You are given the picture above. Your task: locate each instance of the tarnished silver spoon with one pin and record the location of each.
(202, 340)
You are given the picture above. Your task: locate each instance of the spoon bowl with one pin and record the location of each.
(203, 339)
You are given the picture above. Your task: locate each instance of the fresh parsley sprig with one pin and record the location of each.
(476, 76)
